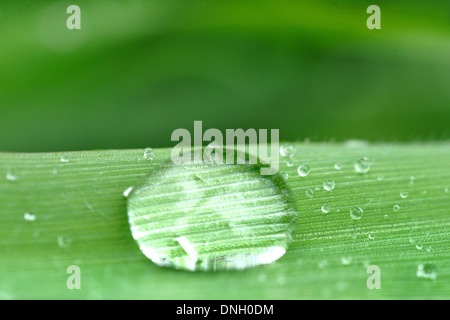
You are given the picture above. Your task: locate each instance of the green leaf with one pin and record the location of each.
(63, 209)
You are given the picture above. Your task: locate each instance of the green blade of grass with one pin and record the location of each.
(79, 213)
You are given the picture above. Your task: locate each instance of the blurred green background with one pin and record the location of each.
(139, 69)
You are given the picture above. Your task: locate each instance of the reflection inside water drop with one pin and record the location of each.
(211, 217)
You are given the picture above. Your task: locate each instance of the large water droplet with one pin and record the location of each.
(211, 217)
(303, 170)
(356, 213)
(362, 165)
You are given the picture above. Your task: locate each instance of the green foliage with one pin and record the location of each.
(80, 218)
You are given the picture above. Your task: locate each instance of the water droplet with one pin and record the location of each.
(346, 260)
(309, 193)
(126, 193)
(149, 154)
(303, 170)
(285, 175)
(63, 242)
(245, 217)
(396, 208)
(362, 165)
(427, 271)
(419, 246)
(287, 150)
(386, 216)
(29, 216)
(329, 185)
(428, 249)
(325, 208)
(322, 264)
(64, 160)
(337, 166)
(371, 235)
(404, 195)
(262, 277)
(10, 176)
(380, 178)
(356, 213)
(289, 163)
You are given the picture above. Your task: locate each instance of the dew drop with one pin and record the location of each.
(63, 242)
(289, 163)
(362, 165)
(232, 218)
(303, 170)
(325, 208)
(149, 154)
(287, 150)
(427, 271)
(10, 176)
(63, 160)
(386, 216)
(329, 185)
(404, 195)
(419, 246)
(356, 213)
(371, 236)
(29, 216)
(346, 260)
(337, 166)
(322, 264)
(396, 208)
(309, 193)
(380, 178)
(127, 192)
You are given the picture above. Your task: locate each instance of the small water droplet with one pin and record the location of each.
(173, 214)
(356, 213)
(419, 246)
(428, 249)
(285, 175)
(329, 185)
(386, 216)
(10, 176)
(337, 166)
(310, 193)
(126, 193)
(290, 163)
(29, 216)
(322, 264)
(63, 160)
(149, 154)
(287, 150)
(371, 235)
(427, 271)
(346, 260)
(262, 277)
(404, 195)
(63, 242)
(380, 178)
(303, 170)
(396, 208)
(362, 165)
(325, 208)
